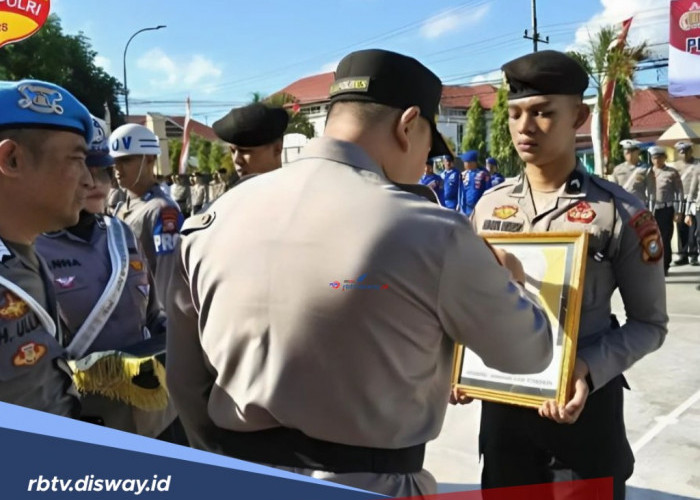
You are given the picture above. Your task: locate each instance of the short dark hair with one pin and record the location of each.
(30, 138)
(367, 112)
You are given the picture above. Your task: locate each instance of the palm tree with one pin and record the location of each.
(298, 122)
(605, 61)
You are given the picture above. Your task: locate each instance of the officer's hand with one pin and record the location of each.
(688, 220)
(512, 263)
(677, 217)
(458, 396)
(569, 414)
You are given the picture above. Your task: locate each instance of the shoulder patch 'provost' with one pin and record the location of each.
(649, 235)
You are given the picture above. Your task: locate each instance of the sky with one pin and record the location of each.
(219, 52)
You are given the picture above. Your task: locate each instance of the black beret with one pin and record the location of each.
(392, 79)
(252, 125)
(543, 73)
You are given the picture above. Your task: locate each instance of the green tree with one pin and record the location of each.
(475, 135)
(605, 61)
(502, 147)
(203, 152)
(216, 156)
(450, 143)
(227, 163)
(66, 60)
(174, 150)
(298, 121)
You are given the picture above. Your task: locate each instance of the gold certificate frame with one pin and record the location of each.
(555, 265)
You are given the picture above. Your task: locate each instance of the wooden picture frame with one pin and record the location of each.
(555, 264)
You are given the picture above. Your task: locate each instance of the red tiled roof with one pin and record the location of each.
(198, 128)
(313, 89)
(649, 116)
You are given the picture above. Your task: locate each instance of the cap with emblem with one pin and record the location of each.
(252, 125)
(683, 145)
(544, 73)
(629, 144)
(657, 150)
(98, 151)
(470, 155)
(380, 76)
(37, 104)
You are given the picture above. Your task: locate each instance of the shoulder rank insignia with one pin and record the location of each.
(647, 230)
(505, 211)
(582, 213)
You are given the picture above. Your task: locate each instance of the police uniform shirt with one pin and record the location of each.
(637, 179)
(496, 179)
(474, 183)
(625, 252)
(338, 322)
(685, 170)
(81, 269)
(181, 195)
(155, 220)
(434, 182)
(451, 187)
(693, 195)
(115, 197)
(33, 371)
(216, 189)
(669, 188)
(199, 195)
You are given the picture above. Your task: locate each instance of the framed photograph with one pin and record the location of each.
(555, 265)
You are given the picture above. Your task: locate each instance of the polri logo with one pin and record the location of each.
(356, 285)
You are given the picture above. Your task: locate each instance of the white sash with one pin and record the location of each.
(44, 317)
(93, 324)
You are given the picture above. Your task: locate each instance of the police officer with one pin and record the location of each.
(586, 437)
(218, 187)
(475, 181)
(451, 183)
(115, 196)
(153, 216)
(200, 193)
(692, 209)
(44, 132)
(104, 289)
(349, 286)
(433, 181)
(255, 135)
(492, 166)
(180, 192)
(669, 197)
(687, 242)
(635, 176)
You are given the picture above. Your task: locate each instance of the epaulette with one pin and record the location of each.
(197, 222)
(509, 182)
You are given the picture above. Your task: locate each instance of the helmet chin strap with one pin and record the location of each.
(138, 177)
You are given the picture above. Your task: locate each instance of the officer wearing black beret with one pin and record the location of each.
(584, 438)
(254, 133)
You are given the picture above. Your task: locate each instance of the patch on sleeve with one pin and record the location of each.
(166, 229)
(649, 235)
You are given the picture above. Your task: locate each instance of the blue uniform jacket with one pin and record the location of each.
(451, 188)
(434, 182)
(496, 179)
(474, 183)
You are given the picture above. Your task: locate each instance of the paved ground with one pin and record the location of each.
(662, 411)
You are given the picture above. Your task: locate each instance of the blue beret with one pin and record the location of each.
(98, 151)
(470, 155)
(492, 161)
(37, 104)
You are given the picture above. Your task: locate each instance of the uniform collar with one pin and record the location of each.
(576, 185)
(344, 152)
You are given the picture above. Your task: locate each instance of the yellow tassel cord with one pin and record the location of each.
(111, 376)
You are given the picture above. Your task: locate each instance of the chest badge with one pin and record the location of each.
(505, 211)
(581, 213)
(29, 354)
(12, 307)
(66, 282)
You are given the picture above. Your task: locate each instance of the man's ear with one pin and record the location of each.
(582, 114)
(278, 146)
(9, 162)
(407, 122)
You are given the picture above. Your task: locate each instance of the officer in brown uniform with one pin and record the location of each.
(687, 241)
(255, 135)
(152, 215)
(44, 132)
(669, 198)
(635, 176)
(329, 351)
(585, 438)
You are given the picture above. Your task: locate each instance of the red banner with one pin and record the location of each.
(20, 19)
(684, 50)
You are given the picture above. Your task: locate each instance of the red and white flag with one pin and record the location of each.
(185, 153)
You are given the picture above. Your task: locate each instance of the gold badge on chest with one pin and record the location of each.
(505, 211)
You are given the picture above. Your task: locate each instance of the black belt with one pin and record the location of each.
(292, 448)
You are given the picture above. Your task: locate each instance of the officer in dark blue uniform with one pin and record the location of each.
(475, 181)
(451, 182)
(433, 181)
(492, 167)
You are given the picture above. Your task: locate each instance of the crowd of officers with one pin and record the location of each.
(266, 358)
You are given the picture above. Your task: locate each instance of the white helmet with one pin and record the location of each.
(133, 139)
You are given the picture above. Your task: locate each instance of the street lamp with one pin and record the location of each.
(126, 89)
